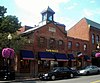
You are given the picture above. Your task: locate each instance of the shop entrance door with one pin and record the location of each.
(25, 66)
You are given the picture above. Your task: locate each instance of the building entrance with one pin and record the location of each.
(25, 66)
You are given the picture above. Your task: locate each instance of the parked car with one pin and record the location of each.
(6, 73)
(89, 70)
(58, 72)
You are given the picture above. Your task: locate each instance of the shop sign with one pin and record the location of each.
(49, 50)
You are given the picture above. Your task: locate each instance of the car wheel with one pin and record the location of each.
(71, 75)
(98, 72)
(53, 77)
(87, 73)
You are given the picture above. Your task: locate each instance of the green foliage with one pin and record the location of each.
(10, 24)
(17, 42)
(3, 10)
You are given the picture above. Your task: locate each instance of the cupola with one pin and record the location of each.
(48, 15)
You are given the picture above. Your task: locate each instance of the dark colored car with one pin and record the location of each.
(6, 73)
(89, 70)
(58, 72)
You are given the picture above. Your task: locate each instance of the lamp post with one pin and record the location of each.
(8, 54)
(9, 38)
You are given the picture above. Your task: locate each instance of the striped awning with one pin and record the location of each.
(71, 57)
(27, 54)
(87, 58)
(46, 56)
(61, 57)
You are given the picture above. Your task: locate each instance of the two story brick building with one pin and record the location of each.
(89, 31)
(50, 45)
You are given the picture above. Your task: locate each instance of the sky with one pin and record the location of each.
(67, 12)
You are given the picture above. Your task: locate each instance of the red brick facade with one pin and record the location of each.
(84, 31)
(53, 37)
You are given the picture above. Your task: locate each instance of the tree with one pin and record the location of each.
(10, 24)
(3, 10)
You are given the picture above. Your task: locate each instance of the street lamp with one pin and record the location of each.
(8, 54)
(9, 38)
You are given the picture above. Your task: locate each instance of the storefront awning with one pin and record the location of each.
(46, 56)
(97, 55)
(87, 58)
(61, 57)
(27, 54)
(71, 57)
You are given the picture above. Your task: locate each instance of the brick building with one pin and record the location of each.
(89, 31)
(49, 45)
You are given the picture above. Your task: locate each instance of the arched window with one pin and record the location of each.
(93, 38)
(77, 45)
(69, 45)
(52, 43)
(42, 42)
(85, 47)
(97, 38)
(61, 44)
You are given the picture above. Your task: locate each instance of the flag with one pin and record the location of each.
(80, 54)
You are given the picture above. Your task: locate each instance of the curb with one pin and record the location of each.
(20, 80)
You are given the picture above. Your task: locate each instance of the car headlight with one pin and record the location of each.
(82, 71)
(45, 74)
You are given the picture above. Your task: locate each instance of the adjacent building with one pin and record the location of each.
(89, 31)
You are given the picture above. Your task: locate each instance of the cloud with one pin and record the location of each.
(72, 6)
(92, 1)
(87, 13)
(97, 11)
(68, 22)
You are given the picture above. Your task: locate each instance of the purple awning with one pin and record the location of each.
(97, 55)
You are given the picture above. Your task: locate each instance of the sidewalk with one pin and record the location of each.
(21, 79)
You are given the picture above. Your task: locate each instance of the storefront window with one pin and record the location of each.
(43, 65)
(24, 66)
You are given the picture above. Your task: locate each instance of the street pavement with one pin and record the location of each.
(80, 79)
(20, 80)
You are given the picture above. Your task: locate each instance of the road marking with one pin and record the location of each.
(98, 81)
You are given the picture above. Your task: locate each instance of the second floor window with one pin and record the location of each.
(52, 43)
(77, 45)
(85, 47)
(42, 42)
(93, 38)
(97, 38)
(60, 44)
(69, 45)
